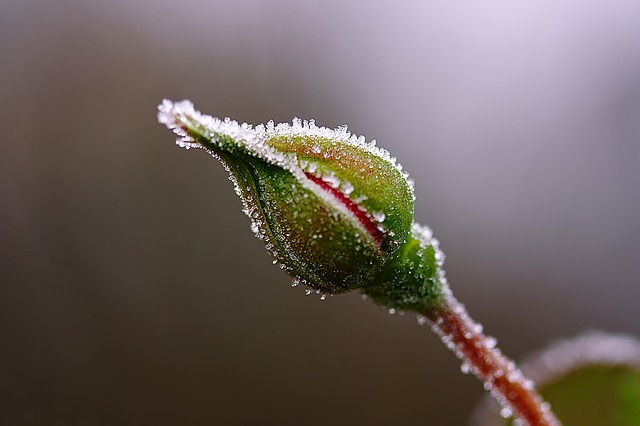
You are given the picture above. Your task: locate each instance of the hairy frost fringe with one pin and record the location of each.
(174, 115)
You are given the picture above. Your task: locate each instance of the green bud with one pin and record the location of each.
(331, 208)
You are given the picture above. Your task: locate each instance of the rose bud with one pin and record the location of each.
(333, 209)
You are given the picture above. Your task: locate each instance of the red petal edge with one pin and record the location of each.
(361, 216)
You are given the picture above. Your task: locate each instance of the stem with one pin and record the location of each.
(515, 393)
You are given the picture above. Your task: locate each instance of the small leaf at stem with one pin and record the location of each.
(593, 380)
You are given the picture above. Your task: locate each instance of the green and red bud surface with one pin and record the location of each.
(334, 210)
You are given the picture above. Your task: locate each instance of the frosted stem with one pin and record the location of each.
(515, 393)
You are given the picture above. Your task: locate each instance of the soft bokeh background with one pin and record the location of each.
(131, 288)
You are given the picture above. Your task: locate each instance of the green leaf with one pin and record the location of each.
(596, 394)
(593, 380)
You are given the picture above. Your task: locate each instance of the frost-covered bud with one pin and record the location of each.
(331, 208)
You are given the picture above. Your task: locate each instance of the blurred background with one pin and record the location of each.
(132, 290)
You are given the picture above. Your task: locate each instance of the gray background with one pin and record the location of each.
(131, 288)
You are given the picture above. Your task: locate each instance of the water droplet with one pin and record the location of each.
(506, 412)
(254, 227)
(465, 368)
(331, 180)
(379, 216)
(392, 311)
(360, 199)
(513, 376)
(347, 188)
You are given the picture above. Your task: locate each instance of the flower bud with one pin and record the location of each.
(331, 208)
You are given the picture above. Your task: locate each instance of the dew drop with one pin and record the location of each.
(465, 368)
(347, 188)
(331, 180)
(360, 199)
(379, 217)
(506, 412)
(513, 376)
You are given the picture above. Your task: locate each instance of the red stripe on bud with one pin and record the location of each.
(361, 216)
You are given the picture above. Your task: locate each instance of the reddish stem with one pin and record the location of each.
(480, 356)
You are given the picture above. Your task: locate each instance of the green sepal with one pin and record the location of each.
(413, 281)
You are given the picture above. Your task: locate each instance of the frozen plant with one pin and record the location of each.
(337, 213)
